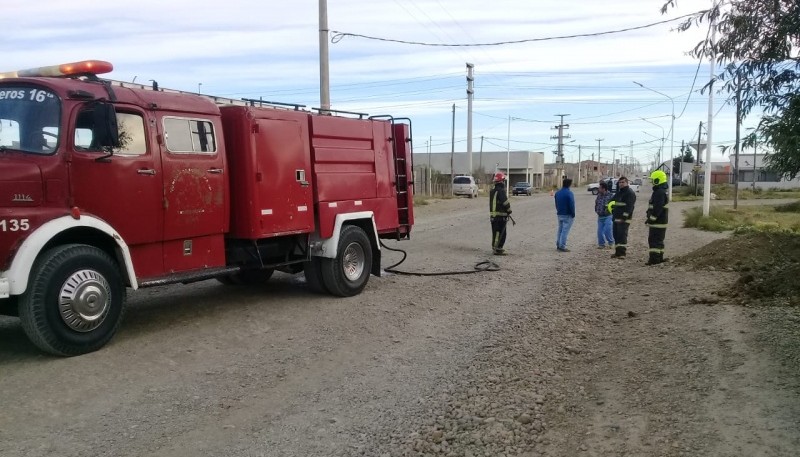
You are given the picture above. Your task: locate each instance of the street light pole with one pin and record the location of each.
(671, 137)
(324, 63)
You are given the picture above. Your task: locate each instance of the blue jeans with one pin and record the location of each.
(564, 224)
(605, 231)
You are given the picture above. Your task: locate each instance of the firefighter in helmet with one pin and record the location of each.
(657, 217)
(499, 210)
(621, 209)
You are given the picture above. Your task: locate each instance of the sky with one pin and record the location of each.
(270, 49)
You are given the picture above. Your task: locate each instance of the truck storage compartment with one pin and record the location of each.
(270, 171)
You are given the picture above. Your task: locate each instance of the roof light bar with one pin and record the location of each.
(84, 67)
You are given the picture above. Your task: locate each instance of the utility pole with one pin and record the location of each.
(452, 148)
(755, 150)
(736, 151)
(324, 68)
(560, 157)
(697, 160)
(631, 156)
(579, 165)
(480, 158)
(709, 143)
(508, 154)
(430, 173)
(598, 153)
(470, 91)
(613, 163)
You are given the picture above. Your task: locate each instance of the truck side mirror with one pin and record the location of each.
(106, 130)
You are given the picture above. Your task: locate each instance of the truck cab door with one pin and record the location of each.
(123, 189)
(195, 199)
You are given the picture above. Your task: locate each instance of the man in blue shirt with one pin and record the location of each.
(565, 211)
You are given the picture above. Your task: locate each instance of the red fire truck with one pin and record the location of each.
(106, 185)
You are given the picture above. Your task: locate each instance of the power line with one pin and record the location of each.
(338, 36)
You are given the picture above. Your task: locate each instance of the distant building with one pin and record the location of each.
(527, 166)
(755, 166)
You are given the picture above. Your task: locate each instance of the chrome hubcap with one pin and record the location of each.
(353, 261)
(83, 301)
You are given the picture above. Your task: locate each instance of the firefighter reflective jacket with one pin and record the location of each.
(499, 206)
(658, 209)
(624, 201)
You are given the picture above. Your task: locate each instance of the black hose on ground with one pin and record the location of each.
(486, 265)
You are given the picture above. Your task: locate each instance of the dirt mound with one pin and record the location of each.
(769, 264)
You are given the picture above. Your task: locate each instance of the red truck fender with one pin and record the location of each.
(17, 276)
(328, 247)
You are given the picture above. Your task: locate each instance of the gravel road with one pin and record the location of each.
(557, 354)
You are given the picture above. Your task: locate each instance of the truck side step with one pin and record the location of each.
(189, 277)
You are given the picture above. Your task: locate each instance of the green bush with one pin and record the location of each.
(718, 220)
(793, 207)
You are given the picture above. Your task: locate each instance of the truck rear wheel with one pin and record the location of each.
(74, 302)
(348, 273)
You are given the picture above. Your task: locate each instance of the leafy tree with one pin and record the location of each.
(685, 156)
(758, 43)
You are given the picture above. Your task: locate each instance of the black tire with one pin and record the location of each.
(247, 277)
(595, 191)
(75, 300)
(312, 270)
(348, 273)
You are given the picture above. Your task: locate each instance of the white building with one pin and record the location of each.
(751, 165)
(525, 166)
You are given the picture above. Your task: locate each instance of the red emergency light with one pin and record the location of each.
(84, 67)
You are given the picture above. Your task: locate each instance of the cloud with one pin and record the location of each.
(270, 49)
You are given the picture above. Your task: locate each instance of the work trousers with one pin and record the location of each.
(621, 236)
(655, 239)
(499, 232)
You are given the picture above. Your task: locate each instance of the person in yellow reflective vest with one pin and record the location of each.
(499, 210)
(657, 217)
(621, 207)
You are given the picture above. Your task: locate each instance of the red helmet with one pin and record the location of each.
(499, 177)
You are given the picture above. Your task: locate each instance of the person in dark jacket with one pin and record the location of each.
(499, 211)
(622, 206)
(565, 211)
(657, 217)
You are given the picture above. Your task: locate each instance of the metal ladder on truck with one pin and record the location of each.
(402, 153)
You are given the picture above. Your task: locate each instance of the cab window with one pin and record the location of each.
(190, 136)
(131, 133)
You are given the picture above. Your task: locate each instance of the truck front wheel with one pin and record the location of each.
(348, 273)
(74, 302)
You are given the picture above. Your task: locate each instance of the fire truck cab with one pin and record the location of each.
(106, 186)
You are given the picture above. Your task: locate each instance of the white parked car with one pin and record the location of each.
(465, 185)
(594, 187)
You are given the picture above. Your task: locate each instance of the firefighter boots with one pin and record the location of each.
(656, 258)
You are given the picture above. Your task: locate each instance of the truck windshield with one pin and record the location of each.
(29, 119)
